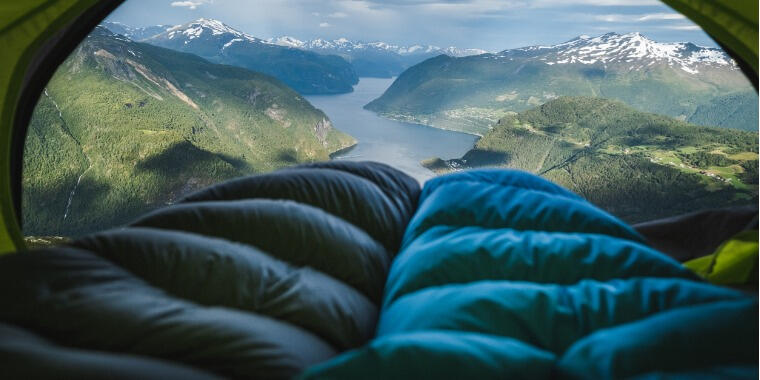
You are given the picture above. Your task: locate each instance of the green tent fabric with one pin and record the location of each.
(29, 31)
(733, 263)
(36, 35)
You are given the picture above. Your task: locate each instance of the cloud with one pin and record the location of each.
(192, 5)
(662, 16)
(631, 18)
(337, 15)
(515, 3)
(324, 25)
(491, 9)
(611, 18)
(620, 3)
(682, 27)
(417, 2)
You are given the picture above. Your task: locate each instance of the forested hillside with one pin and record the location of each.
(696, 84)
(637, 165)
(124, 127)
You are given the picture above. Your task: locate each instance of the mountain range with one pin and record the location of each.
(283, 57)
(636, 165)
(689, 82)
(135, 33)
(123, 127)
(375, 59)
(306, 72)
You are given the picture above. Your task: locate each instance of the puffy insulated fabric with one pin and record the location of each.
(258, 277)
(505, 275)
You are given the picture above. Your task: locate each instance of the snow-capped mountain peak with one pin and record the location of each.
(458, 52)
(197, 28)
(287, 41)
(633, 49)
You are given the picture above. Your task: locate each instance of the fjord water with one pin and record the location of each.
(401, 145)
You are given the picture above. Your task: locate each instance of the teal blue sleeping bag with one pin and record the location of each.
(502, 274)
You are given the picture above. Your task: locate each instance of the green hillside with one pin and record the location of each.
(124, 127)
(735, 110)
(470, 94)
(639, 166)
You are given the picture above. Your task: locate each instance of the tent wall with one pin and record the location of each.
(35, 37)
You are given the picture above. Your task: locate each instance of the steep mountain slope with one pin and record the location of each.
(124, 127)
(681, 80)
(304, 71)
(375, 59)
(639, 166)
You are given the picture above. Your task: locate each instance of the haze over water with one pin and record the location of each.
(401, 145)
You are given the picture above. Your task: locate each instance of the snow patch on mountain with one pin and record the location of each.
(288, 42)
(232, 41)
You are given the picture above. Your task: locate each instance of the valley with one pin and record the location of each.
(642, 129)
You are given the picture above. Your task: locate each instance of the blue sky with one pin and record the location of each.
(486, 24)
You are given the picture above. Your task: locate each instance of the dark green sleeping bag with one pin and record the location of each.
(258, 277)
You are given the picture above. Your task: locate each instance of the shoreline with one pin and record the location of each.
(405, 120)
(340, 151)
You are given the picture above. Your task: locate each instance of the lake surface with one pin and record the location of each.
(401, 145)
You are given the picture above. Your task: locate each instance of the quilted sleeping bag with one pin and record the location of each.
(503, 275)
(346, 270)
(258, 277)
